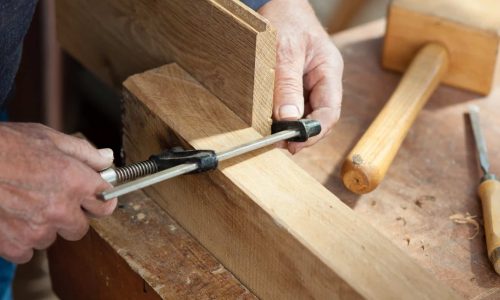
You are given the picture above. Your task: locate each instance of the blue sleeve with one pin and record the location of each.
(255, 4)
(7, 270)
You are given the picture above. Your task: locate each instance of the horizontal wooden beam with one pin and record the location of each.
(277, 229)
(224, 45)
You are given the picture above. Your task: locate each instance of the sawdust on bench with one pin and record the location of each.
(467, 219)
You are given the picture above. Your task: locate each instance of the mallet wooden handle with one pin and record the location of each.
(367, 164)
(489, 192)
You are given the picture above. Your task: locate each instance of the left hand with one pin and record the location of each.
(48, 187)
(309, 67)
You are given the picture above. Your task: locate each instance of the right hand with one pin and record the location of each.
(48, 186)
(308, 68)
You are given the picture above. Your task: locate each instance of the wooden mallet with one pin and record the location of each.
(449, 41)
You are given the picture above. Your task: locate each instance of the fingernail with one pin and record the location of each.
(106, 153)
(289, 111)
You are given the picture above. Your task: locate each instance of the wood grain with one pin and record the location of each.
(489, 192)
(368, 162)
(139, 252)
(468, 29)
(226, 46)
(278, 230)
(434, 176)
(481, 14)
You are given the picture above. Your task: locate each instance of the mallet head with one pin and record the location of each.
(433, 41)
(468, 29)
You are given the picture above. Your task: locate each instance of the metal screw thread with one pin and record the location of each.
(136, 170)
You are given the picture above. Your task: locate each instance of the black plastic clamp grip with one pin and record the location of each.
(205, 159)
(307, 128)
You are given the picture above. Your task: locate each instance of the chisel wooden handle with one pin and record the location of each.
(489, 192)
(367, 164)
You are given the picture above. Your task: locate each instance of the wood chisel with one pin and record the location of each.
(177, 161)
(489, 192)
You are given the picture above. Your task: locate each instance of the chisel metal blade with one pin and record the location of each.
(480, 141)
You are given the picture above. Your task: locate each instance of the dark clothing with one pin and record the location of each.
(255, 4)
(15, 19)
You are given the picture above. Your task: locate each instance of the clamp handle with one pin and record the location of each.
(489, 192)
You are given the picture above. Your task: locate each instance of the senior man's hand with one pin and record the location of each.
(309, 67)
(48, 186)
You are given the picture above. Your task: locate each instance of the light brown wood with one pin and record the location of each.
(368, 162)
(463, 54)
(482, 14)
(468, 29)
(278, 230)
(139, 252)
(434, 176)
(489, 192)
(226, 46)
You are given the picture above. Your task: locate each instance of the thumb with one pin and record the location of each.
(97, 159)
(289, 91)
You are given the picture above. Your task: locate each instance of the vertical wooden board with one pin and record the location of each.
(223, 44)
(279, 231)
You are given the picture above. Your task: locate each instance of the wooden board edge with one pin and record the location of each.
(377, 269)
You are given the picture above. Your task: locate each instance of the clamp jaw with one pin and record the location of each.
(205, 159)
(306, 127)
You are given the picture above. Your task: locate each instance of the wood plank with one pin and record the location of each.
(278, 230)
(434, 176)
(139, 252)
(226, 46)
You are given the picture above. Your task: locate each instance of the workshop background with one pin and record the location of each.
(53, 89)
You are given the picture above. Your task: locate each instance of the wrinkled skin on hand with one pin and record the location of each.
(308, 70)
(48, 186)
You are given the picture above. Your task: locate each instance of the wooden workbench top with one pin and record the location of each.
(433, 180)
(141, 252)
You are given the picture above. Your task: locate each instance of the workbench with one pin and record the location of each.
(435, 174)
(427, 204)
